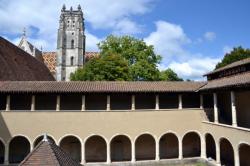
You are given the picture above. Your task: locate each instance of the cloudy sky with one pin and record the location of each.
(190, 35)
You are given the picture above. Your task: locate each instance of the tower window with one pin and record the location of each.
(72, 61)
(72, 44)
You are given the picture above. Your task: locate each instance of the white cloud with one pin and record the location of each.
(127, 27)
(227, 49)
(91, 45)
(210, 36)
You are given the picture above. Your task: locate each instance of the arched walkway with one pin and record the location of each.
(210, 146)
(191, 145)
(145, 147)
(169, 146)
(19, 148)
(244, 152)
(72, 146)
(120, 148)
(2, 148)
(95, 149)
(40, 138)
(226, 153)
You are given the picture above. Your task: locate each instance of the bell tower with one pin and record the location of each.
(70, 43)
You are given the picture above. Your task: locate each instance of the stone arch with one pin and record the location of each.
(2, 150)
(120, 148)
(210, 146)
(19, 148)
(226, 152)
(145, 147)
(244, 151)
(169, 145)
(191, 144)
(39, 138)
(95, 149)
(72, 145)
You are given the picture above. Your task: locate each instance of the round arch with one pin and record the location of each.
(145, 145)
(244, 151)
(226, 152)
(19, 148)
(72, 145)
(2, 150)
(39, 138)
(95, 149)
(210, 146)
(120, 146)
(169, 146)
(191, 144)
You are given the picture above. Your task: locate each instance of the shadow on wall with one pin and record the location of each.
(4, 131)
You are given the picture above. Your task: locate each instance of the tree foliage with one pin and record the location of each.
(170, 75)
(236, 54)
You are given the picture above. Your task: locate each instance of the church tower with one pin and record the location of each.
(70, 43)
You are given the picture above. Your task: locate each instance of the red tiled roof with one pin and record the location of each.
(99, 86)
(17, 65)
(49, 154)
(239, 80)
(49, 59)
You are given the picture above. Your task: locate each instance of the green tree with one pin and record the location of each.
(110, 68)
(169, 75)
(141, 58)
(236, 54)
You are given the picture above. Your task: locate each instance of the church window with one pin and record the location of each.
(72, 44)
(72, 61)
(72, 33)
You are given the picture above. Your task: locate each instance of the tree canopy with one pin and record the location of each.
(238, 53)
(170, 75)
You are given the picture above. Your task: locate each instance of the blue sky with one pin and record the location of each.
(190, 35)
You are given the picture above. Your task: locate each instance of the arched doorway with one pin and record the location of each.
(191, 145)
(2, 149)
(226, 153)
(95, 149)
(210, 146)
(40, 138)
(145, 147)
(72, 145)
(169, 146)
(244, 151)
(19, 148)
(120, 148)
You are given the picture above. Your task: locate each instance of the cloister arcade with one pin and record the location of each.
(119, 148)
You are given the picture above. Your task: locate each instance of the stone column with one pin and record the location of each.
(108, 103)
(133, 103)
(218, 153)
(180, 148)
(203, 148)
(33, 102)
(83, 103)
(157, 102)
(180, 101)
(236, 157)
(234, 114)
(8, 103)
(157, 151)
(201, 101)
(133, 152)
(215, 108)
(108, 154)
(83, 161)
(58, 103)
(6, 155)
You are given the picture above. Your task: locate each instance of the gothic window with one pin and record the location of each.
(72, 43)
(72, 61)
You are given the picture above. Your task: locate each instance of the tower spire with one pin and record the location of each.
(63, 7)
(24, 32)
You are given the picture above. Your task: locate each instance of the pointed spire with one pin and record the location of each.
(45, 137)
(79, 7)
(71, 8)
(63, 8)
(24, 32)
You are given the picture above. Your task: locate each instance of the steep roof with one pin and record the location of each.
(232, 65)
(49, 59)
(46, 153)
(17, 65)
(98, 86)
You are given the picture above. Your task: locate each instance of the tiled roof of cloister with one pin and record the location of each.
(98, 86)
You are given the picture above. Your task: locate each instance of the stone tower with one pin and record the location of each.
(70, 43)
